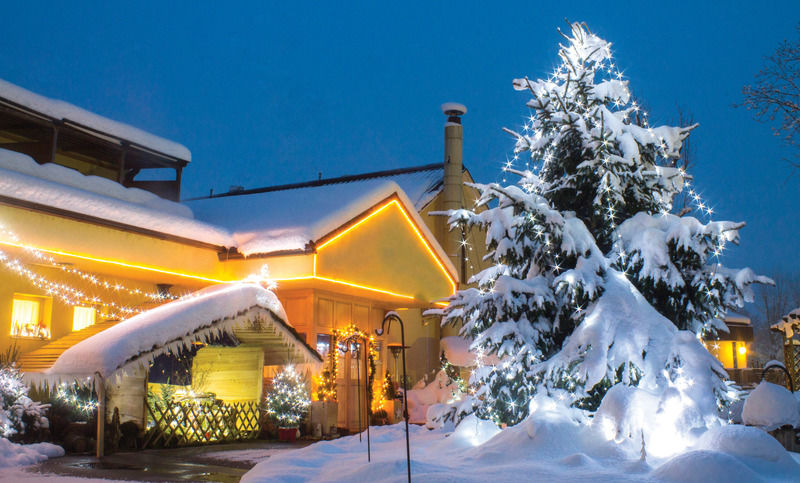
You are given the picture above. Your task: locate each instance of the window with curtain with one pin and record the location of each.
(27, 318)
(83, 317)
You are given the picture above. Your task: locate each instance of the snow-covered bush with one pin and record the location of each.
(12, 454)
(771, 406)
(594, 283)
(18, 413)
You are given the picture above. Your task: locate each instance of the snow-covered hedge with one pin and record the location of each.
(18, 413)
(771, 406)
(12, 454)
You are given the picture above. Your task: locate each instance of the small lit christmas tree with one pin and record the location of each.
(388, 390)
(288, 401)
(326, 382)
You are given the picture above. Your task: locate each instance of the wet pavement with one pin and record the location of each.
(223, 463)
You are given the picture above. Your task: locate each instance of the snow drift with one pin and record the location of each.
(771, 406)
(12, 454)
(549, 445)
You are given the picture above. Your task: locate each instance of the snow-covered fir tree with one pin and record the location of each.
(584, 240)
(546, 271)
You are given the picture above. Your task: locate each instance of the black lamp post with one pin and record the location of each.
(356, 351)
(389, 317)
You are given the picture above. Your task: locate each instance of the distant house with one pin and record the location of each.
(88, 240)
(732, 348)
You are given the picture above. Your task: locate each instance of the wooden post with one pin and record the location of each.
(122, 155)
(54, 144)
(100, 388)
(178, 174)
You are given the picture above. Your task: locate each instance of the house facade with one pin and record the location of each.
(87, 245)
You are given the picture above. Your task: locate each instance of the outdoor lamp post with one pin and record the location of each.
(395, 349)
(389, 317)
(355, 350)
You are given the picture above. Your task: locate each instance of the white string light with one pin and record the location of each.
(67, 293)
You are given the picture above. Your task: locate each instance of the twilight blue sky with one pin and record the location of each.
(267, 93)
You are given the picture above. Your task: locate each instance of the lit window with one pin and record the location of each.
(28, 318)
(323, 344)
(83, 317)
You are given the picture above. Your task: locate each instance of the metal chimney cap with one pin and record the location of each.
(454, 109)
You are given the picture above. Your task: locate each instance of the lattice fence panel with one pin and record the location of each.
(791, 355)
(187, 423)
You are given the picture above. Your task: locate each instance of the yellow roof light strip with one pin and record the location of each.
(427, 246)
(410, 221)
(354, 226)
(372, 289)
(342, 282)
(114, 262)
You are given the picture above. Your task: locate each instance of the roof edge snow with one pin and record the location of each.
(61, 111)
(80, 362)
(326, 181)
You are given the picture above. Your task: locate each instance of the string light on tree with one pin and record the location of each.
(594, 204)
(288, 400)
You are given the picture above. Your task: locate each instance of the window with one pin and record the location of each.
(323, 344)
(29, 317)
(83, 317)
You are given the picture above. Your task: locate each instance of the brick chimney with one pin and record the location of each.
(453, 184)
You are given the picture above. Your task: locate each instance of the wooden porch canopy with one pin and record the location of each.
(246, 311)
(53, 131)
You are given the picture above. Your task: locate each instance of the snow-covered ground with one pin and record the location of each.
(546, 446)
(30, 476)
(254, 455)
(13, 454)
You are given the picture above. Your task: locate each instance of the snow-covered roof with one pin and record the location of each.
(291, 219)
(420, 183)
(789, 324)
(55, 186)
(274, 221)
(169, 327)
(736, 318)
(66, 112)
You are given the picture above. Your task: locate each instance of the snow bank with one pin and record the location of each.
(771, 406)
(675, 396)
(107, 203)
(421, 398)
(171, 326)
(456, 349)
(12, 454)
(24, 164)
(61, 110)
(552, 444)
(731, 453)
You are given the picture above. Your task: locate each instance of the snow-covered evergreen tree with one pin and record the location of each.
(546, 271)
(593, 213)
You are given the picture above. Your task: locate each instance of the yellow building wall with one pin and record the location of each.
(385, 252)
(49, 232)
(234, 374)
(475, 249)
(57, 314)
